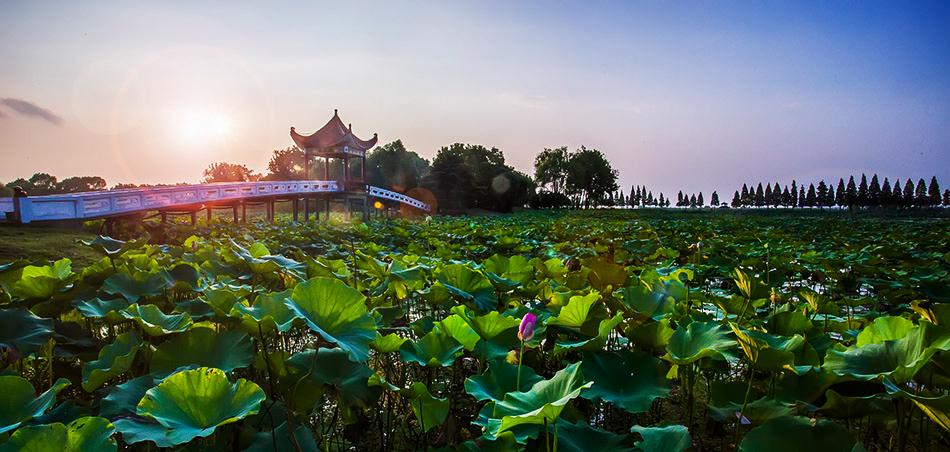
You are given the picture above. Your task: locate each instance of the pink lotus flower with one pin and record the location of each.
(526, 329)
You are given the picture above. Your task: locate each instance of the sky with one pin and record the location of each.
(692, 96)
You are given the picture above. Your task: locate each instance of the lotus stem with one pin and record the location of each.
(520, 358)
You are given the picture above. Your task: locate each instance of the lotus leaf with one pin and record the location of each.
(203, 347)
(114, 360)
(630, 380)
(808, 434)
(18, 402)
(193, 403)
(671, 438)
(337, 312)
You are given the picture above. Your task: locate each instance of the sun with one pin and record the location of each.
(201, 127)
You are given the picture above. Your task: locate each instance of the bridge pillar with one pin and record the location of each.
(208, 212)
(164, 217)
(243, 212)
(295, 203)
(328, 208)
(234, 212)
(194, 217)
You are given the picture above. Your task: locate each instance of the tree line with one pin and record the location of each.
(850, 194)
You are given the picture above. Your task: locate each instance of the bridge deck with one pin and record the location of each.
(113, 203)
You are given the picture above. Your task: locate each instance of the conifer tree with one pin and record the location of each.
(810, 198)
(908, 196)
(851, 193)
(714, 199)
(776, 195)
(946, 198)
(822, 194)
(650, 198)
(767, 198)
(679, 199)
(699, 200)
(736, 200)
(786, 197)
(874, 192)
(662, 200)
(886, 193)
(801, 196)
(794, 193)
(897, 198)
(840, 199)
(759, 196)
(934, 192)
(863, 191)
(692, 200)
(921, 199)
(744, 200)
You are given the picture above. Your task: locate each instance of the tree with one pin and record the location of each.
(590, 177)
(811, 199)
(874, 192)
(551, 168)
(228, 172)
(946, 198)
(934, 192)
(662, 200)
(736, 200)
(42, 184)
(714, 199)
(393, 167)
(863, 191)
(776, 195)
(786, 197)
(746, 198)
(81, 184)
(822, 194)
(699, 200)
(887, 198)
(801, 197)
(768, 195)
(908, 195)
(759, 196)
(921, 198)
(692, 200)
(794, 200)
(679, 199)
(851, 193)
(897, 198)
(286, 164)
(840, 197)
(472, 176)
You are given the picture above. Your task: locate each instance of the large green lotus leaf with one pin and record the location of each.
(936, 407)
(504, 442)
(337, 312)
(469, 285)
(430, 411)
(884, 329)
(698, 340)
(22, 331)
(136, 286)
(114, 360)
(455, 326)
(193, 403)
(330, 367)
(39, 282)
(766, 352)
(789, 323)
(630, 380)
(500, 379)
(18, 402)
(389, 343)
(487, 326)
(222, 300)
(672, 438)
(575, 313)
(97, 308)
(260, 261)
(203, 347)
(652, 334)
(605, 274)
(155, 322)
(515, 268)
(269, 312)
(435, 349)
(37, 438)
(727, 397)
(595, 343)
(898, 360)
(109, 246)
(851, 407)
(137, 430)
(90, 433)
(123, 399)
(543, 403)
(796, 433)
(749, 286)
(647, 302)
(581, 437)
(280, 440)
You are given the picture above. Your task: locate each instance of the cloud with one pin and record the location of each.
(30, 109)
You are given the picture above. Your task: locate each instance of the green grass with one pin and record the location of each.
(40, 244)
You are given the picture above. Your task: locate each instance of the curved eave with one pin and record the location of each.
(334, 134)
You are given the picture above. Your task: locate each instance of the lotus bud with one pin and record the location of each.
(526, 329)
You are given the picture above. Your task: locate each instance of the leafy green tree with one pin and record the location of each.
(393, 167)
(590, 177)
(286, 164)
(81, 184)
(228, 172)
(551, 168)
(473, 176)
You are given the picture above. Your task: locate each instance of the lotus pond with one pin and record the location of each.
(657, 332)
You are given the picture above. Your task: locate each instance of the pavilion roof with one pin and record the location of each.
(334, 134)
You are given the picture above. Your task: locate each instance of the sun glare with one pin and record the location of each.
(196, 127)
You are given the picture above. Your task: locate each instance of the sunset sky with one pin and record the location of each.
(678, 95)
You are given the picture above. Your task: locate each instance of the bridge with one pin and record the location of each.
(113, 204)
